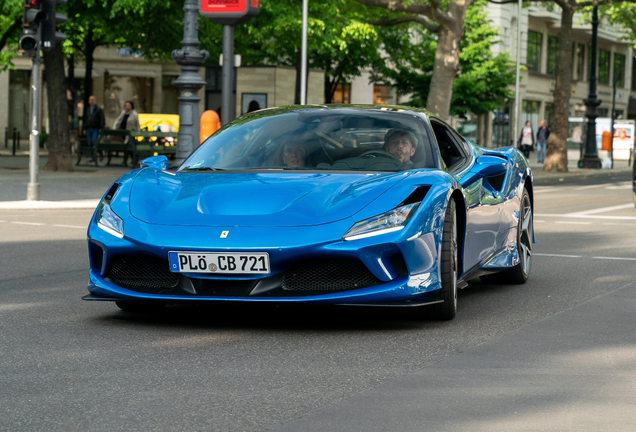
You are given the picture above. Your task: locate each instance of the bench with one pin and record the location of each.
(136, 144)
(153, 143)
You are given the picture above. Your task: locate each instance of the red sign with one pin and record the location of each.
(223, 6)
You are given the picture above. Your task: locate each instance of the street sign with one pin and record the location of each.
(229, 12)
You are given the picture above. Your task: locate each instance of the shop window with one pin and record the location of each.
(342, 94)
(619, 70)
(382, 95)
(549, 113)
(534, 51)
(579, 61)
(169, 95)
(530, 112)
(603, 66)
(119, 89)
(553, 54)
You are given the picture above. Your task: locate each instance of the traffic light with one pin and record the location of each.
(32, 16)
(49, 34)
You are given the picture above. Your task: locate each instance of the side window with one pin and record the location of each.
(451, 147)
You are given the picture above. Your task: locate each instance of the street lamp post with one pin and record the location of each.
(590, 158)
(191, 59)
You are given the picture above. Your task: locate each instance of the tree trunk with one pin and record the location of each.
(557, 149)
(89, 51)
(58, 143)
(446, 63)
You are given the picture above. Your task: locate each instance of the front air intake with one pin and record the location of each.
(141, 273)
(329, 275)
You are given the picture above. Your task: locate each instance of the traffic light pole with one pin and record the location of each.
(33, 188)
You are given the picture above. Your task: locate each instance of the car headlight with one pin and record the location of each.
(393, 220)
(107, 219)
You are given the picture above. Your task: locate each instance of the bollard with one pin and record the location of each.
(14, 137)
(18, 140)
(209, 124)
(6, 137)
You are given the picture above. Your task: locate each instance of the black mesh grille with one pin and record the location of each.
(329, 275)
(141, 272)
(496, 181)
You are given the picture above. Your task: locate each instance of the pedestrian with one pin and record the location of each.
(526, 139)
(129, 120)
(542, 137)
(93, 124)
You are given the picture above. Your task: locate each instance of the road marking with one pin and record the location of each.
(600, 210)
(573, 223)
(68, 226)
(27, 223)
(619, 187)
(539, 221)
(615, 258)
(557, 255)
(589, 187)
(544, 189)
(618, 224)
(585, 216)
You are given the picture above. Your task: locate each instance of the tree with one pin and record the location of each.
(340, 42)
(59, 144)
(481, 84)
(557, 157)
(10, 25)
(623, 14)
(446, 18)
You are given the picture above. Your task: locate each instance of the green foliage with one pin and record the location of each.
(623, 14)
(483, 79)
(339, 40)
(10, 11)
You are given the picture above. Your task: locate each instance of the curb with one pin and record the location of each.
(48, 205)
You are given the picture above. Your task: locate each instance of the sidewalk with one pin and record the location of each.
(81, 188)
(84, 187)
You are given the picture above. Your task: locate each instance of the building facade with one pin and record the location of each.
(539, 50)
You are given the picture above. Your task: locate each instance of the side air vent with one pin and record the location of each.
(416, 196)
(497, 181)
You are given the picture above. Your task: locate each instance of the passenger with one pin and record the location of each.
(400, 143)
(294, 155)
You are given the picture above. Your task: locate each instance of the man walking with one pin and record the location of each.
(542, 137)
(94, 122)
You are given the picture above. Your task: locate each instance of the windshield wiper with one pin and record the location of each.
(202, 169)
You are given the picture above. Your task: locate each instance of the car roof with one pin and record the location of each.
(352, 107)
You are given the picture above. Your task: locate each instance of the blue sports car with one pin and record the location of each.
(339, 204)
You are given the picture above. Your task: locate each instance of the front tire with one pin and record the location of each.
(449, 260)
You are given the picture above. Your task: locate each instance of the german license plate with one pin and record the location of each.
(219, 263)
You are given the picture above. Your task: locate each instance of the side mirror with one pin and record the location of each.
(491, 165)
(156, 162)
(485, 166)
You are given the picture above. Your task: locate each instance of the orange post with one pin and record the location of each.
(210, 123)
(606, 141)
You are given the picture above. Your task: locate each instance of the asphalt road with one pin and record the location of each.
(558, 353)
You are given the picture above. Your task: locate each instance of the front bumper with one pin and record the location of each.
(403, 264)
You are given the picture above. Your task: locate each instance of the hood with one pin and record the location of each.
(254, 199)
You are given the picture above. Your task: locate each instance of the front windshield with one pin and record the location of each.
(317, 139)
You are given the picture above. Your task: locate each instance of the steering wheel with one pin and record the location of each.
(380, 153)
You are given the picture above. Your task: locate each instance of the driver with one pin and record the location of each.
(401, 143)
(294, 155)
